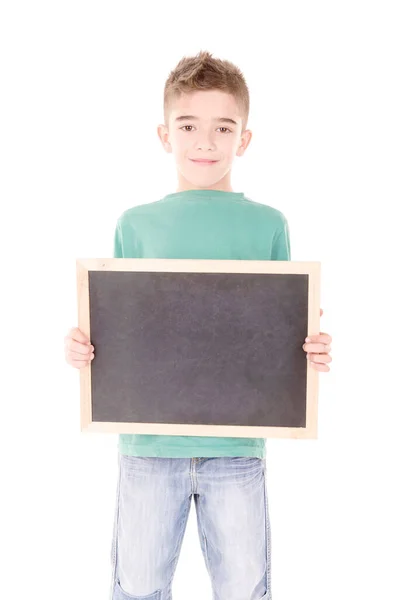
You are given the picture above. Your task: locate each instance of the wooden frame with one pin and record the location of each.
(312, 269)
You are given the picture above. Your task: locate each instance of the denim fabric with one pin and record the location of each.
(153, 500)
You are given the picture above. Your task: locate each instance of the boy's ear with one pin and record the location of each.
(244, 142)
(162, 131)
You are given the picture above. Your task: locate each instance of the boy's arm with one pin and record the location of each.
(281, 244)
(118, 251)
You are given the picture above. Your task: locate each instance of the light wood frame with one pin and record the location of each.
(312, 269)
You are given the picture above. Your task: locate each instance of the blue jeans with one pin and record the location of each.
(153, 502)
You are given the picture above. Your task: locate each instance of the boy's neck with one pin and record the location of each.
(224, 185)
(218, 189)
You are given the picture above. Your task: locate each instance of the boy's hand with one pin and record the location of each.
(78, 349)
(318, 348)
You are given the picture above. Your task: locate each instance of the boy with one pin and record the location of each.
(206, 105)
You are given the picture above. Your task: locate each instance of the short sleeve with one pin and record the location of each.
(281, 244)
(118, 251)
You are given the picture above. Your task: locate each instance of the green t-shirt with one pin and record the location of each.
(200, 224)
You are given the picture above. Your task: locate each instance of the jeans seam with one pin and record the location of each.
(115, 536)
(267, 537)
(207, 558)
(184, 521)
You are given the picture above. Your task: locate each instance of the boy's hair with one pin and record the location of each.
(203, 72)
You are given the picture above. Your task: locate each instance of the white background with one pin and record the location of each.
(81, 98)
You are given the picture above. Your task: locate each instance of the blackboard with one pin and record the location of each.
(199, 347)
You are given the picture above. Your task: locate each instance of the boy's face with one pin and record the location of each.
(195, 131)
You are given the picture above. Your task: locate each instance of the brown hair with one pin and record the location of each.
(203, 72)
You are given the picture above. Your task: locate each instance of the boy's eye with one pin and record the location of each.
(218, 127)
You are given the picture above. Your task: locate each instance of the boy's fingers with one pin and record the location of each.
(77, 342)
(317, 348)
(319, 358)
(71, 344)
(78, 348)
(322, 338)
(327, 337)
(76, 334)
(75, 356)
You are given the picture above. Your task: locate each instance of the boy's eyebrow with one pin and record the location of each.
(193, 118)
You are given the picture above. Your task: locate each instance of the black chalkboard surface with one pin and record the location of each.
(199, 347)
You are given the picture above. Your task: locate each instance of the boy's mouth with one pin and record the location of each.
(203, 161)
